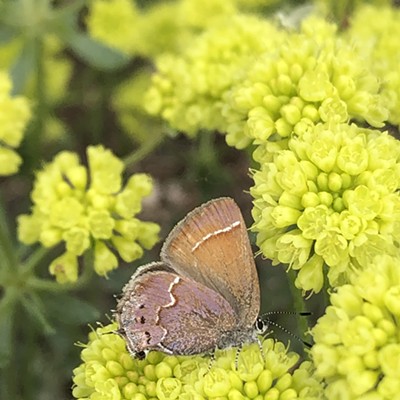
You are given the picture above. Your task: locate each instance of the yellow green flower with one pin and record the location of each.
(114, 22)
(57, 71)
(15, 113)
(86, 207)
(10, 51)
(314, 76)
(188, 89)
(128, 100)
(200, 14)
(375, 29)
(154, 29)
(328, 197)
(163, 28)
(357, 345)
(109, 372)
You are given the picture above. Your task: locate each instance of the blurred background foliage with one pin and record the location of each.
(83, 91)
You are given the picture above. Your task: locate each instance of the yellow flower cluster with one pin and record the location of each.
(109, 372)
(189, 89)
(114, 22)
(357, 343)
(88, 207)
(15, 112)
(155, 29)
(313, 76)
(331, 198)
(128, 103)
(57, 71)
(375, 30)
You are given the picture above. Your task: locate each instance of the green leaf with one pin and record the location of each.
(69, 309)
(36, 309)
(95, 53)
(6, 330)
(7, 249)
(7, 310)
(6, 35)
(23, 67)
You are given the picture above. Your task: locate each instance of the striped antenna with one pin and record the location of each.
(262, 325)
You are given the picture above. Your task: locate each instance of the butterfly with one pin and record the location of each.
(204, 293)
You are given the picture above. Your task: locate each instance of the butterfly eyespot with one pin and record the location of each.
(142, 320)
(141, 306)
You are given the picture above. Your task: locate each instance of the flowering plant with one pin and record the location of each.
(94, 98)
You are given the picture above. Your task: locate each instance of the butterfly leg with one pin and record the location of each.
(212, 360)
(260, 346)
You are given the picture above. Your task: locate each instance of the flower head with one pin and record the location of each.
(114, 22)
(128, 105)
(357, 346)
(162, 28)
(84, 207)
(188, 88)
(375, 31)
(108, 372)
(201, 14)
(57, 71)
(15, 113)
(312, 77)
(331, 198)
(153, 29)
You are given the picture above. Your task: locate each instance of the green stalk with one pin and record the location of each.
(8, 362)
(299, 305)
(48, 285)
(206, 150)
(7, 251)
(35, 308)
(144, 149)
(326, 289)
(33, 260)
(34, 140)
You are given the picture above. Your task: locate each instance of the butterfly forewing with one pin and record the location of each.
(211, 247)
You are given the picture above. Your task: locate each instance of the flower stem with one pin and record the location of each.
(143, 150)
(299, 305)
(7, 253)
(33, 140)
(206, 149)
(326, 289)
(7, 316)
(34, 307)
(52, 286)
(34, 259)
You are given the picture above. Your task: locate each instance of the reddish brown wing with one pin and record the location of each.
(211, 246)
(160, 310)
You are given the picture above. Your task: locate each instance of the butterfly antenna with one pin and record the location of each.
(301, 313)
(283, 329)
